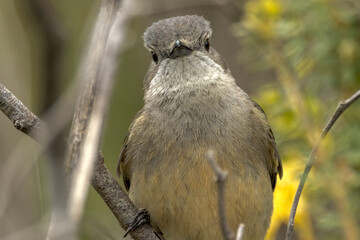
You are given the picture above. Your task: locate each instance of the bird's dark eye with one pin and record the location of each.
(154, 57)
(207, 44)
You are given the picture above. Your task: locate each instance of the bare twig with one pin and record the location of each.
(221, 177)
(87, 78)
(118, 201)
(27, 122)
(92, 104)
(342, 106)
(22, 118)
(23, 150)
(104, 183)
(104, 83)
(240, 232)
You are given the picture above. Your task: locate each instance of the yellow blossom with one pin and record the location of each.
(261, 17)
(283, 198)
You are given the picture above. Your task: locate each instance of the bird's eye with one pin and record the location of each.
(154, 57)
(207, 44)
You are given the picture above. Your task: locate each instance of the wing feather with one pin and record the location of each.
(123, 168)
(276, 167)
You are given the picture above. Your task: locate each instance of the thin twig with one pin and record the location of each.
(86, 134)
(22, 118)
(27, 122)
(87, 76)
(342, 106)
(104, 83)
(221, 177)
(104, 183)
(18, 159)
(240, 231)
(118, 201)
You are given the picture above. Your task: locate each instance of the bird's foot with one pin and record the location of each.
(141, 217)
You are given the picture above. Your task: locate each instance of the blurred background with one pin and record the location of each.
(297, 59)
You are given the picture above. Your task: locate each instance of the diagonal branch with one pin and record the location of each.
(103, 182)
(118, 201)
(85, 135)
(100, 64)
(342, 106)
(21, 117)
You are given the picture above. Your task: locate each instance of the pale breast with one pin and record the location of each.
(173, 180)
(184, 116)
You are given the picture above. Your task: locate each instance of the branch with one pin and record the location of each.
(87, 78)
(21, 117)
(97, 77)
(342, 106)
(240, 232)
(103, 84)
(45, 132)
(27, 122)
(118, 201)
(103, 182)
(97, 67)
(221, 177)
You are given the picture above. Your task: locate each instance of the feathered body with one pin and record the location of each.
(192, 104)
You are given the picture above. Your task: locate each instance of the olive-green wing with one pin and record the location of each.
(125, 159)
(123, 166)
(275, 160)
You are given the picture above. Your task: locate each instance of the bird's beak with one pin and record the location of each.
(179, 50)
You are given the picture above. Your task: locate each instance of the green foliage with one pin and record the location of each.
(313, 47)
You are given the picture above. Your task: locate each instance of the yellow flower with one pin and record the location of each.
(283, 198)
(271, 8)
(264, 8)
(270, 96)
(261, 16)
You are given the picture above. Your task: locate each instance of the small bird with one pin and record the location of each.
(192, 104)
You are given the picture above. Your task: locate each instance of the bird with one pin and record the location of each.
(191, 105)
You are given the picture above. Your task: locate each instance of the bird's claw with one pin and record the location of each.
(141, 217)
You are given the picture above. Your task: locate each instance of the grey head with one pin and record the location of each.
(178, 37)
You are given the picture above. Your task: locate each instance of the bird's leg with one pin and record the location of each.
(141, 217)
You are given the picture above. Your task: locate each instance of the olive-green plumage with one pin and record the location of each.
(192, 104)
